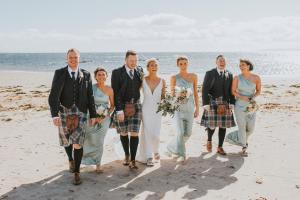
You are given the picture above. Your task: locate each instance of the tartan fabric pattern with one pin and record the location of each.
(210, 119)
(130, 124)
(66, 137)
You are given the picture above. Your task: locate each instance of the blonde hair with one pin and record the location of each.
(179, 58)
(150, 60)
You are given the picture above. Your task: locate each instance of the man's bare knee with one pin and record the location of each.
(76, 146)
(124, 134)
(134, 134)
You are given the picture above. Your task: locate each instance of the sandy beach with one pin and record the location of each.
(34, 166)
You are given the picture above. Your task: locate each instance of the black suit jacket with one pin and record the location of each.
(86, 100)
(118, 83)
(208, 84)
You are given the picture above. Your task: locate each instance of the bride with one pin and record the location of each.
(153, 90)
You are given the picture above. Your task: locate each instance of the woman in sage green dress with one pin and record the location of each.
(94, 139)
(245, 87)
(187, 112)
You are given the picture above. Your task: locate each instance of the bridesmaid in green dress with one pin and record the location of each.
(187, 112)
(94, 139)
(245, 87)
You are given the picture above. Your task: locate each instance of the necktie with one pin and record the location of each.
(73, 76)
(221, 74)
(131, 74)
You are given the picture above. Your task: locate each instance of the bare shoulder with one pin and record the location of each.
(109, 90)
(235, 77)
(193, 76)
(256, 77)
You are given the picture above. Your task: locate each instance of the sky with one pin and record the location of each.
(152, 25)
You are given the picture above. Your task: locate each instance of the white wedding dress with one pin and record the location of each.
(151, 122)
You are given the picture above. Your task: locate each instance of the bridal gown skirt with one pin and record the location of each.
(150, 135)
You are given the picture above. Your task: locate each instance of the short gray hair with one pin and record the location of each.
(73, 50)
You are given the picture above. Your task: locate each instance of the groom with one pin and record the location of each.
(70, 98)
(126, 82)
(217, 102)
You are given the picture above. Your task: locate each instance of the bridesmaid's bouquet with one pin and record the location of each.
(101, 111)
(170, 104)
(252, 107)
(182, 94)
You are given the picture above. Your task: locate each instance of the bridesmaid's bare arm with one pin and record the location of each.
(111, 100)
(163, 90)
(258, 86)
(196, 96)
(172, 85)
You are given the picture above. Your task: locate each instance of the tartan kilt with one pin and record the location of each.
(130, 124)
(66, 137)
(210, 119)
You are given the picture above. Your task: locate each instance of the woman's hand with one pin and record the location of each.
(244, 98)
(99, 120)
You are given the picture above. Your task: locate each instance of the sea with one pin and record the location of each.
(268, 63)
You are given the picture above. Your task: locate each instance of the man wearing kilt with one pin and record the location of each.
(70, 98)
(126, 82)
(217, 102)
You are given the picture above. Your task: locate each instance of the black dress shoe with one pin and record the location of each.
(77, 180)
(126, 160)
(132, 165)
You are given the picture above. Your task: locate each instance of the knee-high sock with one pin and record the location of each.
(222, 132)
(69, 151)
(125, 144)
(134, 142)
(77, 159)
(210, 133)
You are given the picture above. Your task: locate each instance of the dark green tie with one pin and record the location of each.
(73, 76)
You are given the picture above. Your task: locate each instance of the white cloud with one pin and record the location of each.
(157, 20)
(166, 32)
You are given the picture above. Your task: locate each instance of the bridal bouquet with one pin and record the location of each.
(252, 107)
(170, 104)
(167, 105)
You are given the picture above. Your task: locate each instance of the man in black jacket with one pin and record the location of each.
(126, 82)
(71, 97)
(217, 102)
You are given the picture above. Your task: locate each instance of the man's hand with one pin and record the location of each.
(206, 107)
(92, 121)
(120, 117)
(56, 121)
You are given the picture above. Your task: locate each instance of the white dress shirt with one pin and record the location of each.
(70, 70)
(219, 71)
(128, 70)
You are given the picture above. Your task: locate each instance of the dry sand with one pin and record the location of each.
(34, 166)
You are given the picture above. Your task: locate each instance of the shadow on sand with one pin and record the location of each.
(195, 178)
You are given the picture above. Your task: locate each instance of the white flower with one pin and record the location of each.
(189, 92)
(226, 74)
(100, 110)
